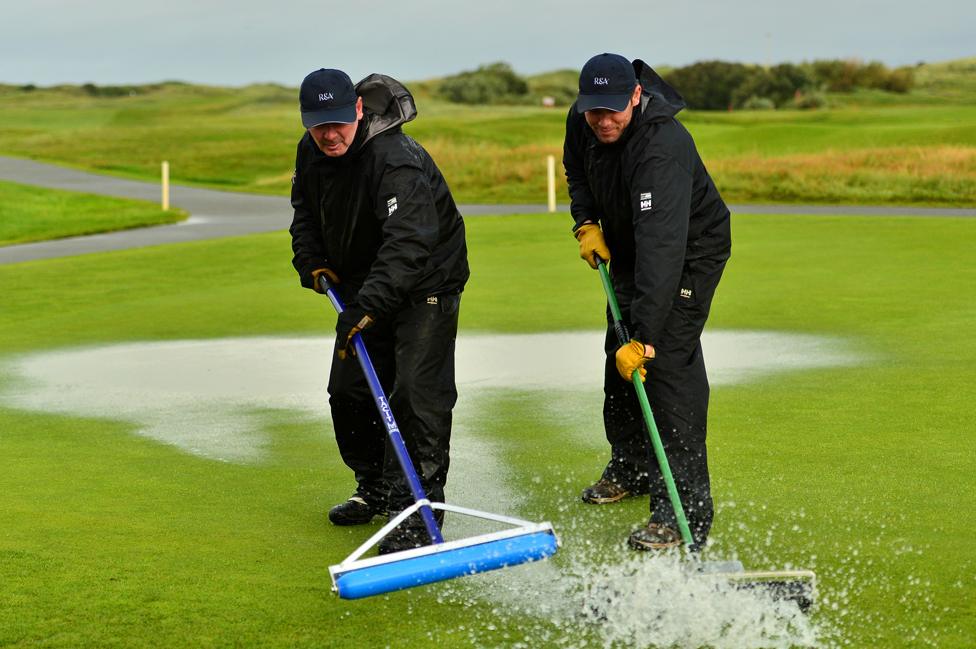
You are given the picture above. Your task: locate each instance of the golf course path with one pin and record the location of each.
(215, 213)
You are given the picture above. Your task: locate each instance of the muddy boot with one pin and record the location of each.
(603, 492)
(654, 536)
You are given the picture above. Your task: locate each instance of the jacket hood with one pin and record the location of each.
(387, 103)
(659, 101)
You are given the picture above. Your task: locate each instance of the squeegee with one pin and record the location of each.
(795, 585)
(356, 577)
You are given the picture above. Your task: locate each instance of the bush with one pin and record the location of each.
(900, 80)
(758, 103)
(810, 100)
(845, 76)
(496, 83)
(708, 85)
(110, 91)
(780, 84)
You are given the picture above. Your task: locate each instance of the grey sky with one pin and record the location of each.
(238, 42)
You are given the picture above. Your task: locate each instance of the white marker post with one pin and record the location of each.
(165, 185)
(551, 164)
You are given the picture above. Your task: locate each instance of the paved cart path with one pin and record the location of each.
(215, 213)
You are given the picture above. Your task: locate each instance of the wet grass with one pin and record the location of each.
(862, 473)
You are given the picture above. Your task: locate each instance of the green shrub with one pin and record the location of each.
(780, 84)
(112, 91)
(900, 80)
(495, 83)
(709, 85)
(810, 100)
(758, 103)
(846, 76)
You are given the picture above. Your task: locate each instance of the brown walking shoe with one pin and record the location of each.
(604, 492)
(654, 536)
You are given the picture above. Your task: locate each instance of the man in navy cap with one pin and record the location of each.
(374, 215)
(642, 199)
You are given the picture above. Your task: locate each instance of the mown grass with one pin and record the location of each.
(245, 139)
(864, 473)
(34, 214)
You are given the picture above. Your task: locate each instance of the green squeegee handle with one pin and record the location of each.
(662, 460)
(392, 430)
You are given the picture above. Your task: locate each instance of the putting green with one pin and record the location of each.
(860, 471)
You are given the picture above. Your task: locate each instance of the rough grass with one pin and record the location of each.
(864, 473)
(35, 214)
(905, 175)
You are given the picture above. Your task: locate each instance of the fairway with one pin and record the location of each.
(842, 365)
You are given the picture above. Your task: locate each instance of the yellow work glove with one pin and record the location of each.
(351, 322)
(632, 356)
(591, 242)
(329, 275)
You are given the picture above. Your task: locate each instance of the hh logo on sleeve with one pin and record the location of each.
(645, 201)
(391, 206)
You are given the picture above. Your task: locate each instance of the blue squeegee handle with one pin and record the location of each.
(662, 459)
(383, 406)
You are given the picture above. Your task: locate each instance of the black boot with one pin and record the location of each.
(410, 534)
(355, 511)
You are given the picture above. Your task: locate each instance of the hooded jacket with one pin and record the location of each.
(660, 212)
(381, 215)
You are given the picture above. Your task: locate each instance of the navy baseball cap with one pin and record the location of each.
(606, 81)
(327, 97)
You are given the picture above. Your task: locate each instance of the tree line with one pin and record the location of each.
(705, 85)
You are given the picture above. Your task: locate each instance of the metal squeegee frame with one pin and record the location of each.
(525, 526)
(523, 543)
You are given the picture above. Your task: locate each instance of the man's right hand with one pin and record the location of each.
(591, 243)
(329, 275)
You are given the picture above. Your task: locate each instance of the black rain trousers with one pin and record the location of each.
(413, 354)
(677, 390)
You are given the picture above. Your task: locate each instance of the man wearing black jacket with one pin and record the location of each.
(642, 198)
(374, 215)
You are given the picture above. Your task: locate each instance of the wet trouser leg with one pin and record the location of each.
(424, 394)
(413, 354)
(360, 433)
(677, 390)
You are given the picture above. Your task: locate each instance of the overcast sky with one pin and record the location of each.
(225, 42)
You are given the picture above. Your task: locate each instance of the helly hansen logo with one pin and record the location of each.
(391, 206)
(686, 293)
(601, 81)
(645, 201)
(325, 96)
(388, 419)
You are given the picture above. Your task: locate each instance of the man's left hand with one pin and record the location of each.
(351, 322)
(632, 356)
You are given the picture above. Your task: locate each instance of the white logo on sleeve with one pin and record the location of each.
(686, 293)
(391, 206)
(645, 201)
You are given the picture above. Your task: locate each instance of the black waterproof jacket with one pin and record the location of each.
(380, 216)
(660, 212)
